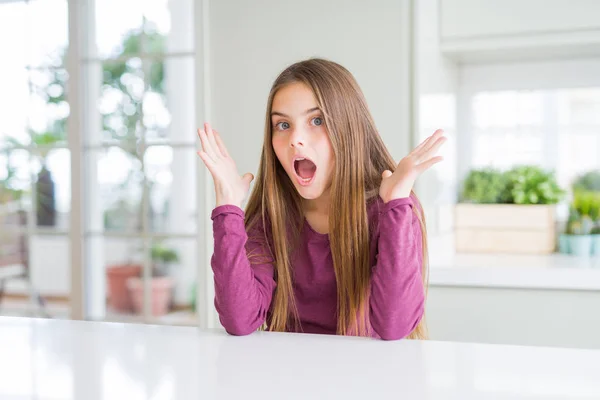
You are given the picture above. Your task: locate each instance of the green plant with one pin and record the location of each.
(483, 186)
(162, 257)
(580, 226)
(10, 185)
(594, 207)
(587, 204)
(530, 184)
(584, 213)
(590, 181)
(123, 122)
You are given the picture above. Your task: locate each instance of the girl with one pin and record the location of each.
(333, 239)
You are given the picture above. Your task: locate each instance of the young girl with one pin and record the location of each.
(333, 239)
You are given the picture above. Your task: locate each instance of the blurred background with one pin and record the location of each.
(105, 207)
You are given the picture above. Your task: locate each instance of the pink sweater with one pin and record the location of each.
(243, 292)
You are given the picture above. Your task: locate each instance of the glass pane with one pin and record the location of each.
(169, 103)
(48, 107)
(507, 109)
(52, 172)
(171, 176)
(48, 32)
(123, 259)
(169, 26)
(582, 106)
(173, 280)
(118, 27)
(29, 296)
(120, 101)
(503, 151)
(52, 278)
(579, 153)
(13, 24)
(13, 229)
(13, 73)
(13, 239)
(15, 179)
(119, 189)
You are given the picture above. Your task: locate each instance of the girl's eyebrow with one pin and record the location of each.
(273, 113)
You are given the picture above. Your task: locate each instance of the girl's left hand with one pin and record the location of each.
(399, 184)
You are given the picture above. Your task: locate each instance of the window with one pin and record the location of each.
(140, 153)
(559, 129)
(136, 68)
(34, 156)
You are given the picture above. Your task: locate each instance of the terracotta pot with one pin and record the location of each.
(118, 294)
(160, 296)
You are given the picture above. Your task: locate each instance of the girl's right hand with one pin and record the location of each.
(230, 188)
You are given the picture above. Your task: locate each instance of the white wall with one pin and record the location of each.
(251, 42)
(515, 316)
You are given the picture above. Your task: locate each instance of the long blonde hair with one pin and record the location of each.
(360, 159)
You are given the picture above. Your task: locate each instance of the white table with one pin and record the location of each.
(58, 359)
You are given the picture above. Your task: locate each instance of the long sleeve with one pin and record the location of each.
(397, 298)
(243, 290)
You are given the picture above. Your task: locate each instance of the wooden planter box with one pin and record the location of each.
(505, 228)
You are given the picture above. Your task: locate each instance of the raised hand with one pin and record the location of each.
(398, 184)
(230, 187)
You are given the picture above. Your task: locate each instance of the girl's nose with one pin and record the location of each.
(297, 138)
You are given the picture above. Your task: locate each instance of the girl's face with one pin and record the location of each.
(301, 141)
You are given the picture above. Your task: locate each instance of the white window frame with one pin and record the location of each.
(82, 305)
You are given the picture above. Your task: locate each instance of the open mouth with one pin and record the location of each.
(305, 170)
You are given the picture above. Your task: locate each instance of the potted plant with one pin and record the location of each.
(588, 182)
(595, 217)
(564, 239)
(582, 226)
(511, 211)
(579, 235)
(161, 285)
(44, 186)
(596, 239)
(117, 276)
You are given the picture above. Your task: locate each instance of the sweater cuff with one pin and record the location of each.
(396, 203)
(227, 209)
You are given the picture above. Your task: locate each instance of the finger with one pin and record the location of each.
(248, 178)
(386, 174)
(437, 136)
(211, 139)
(418, 151)
(429, 163)
(209, 162)
(427, 154)
(221, 144)
(425, 142)
(206, 146)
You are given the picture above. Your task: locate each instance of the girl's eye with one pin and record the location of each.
(318, 121)
(282, 126)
